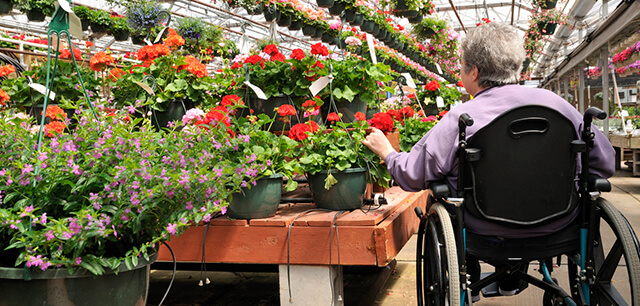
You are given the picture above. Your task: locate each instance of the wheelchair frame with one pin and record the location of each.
(590, 272)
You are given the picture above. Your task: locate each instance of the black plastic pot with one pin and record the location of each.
(137, 40)
(347, 194)
(337, 8)
(411, 14)
(35, 15)
(547, 28)
(349, 15)
(257, 11)
(381, 34)
(318, 33)
(270, 13)
(84, 24)
(415, 20)
(5, 7)
(172, 112)
(121, 36)
(376, 29)
(284, 21)
(547, 4)
(295, 25)
(327, 38)
(98, 28)
(325, 3)
(367, 26)
(308, 30)
(401, 6)
(357, 20)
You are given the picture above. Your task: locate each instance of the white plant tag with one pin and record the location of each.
(439, 69)
(439, 102)
(75, 25)
(159, 37)
(245, 46)
(625, 113)
(64, 4)
(409, 79)
(257, 90)
(372, 49)
(319, 85)
(43, 90)
(146, 88)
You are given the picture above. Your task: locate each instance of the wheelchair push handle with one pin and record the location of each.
(465, 120)
(592, 112)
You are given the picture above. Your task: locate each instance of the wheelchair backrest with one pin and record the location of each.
(525, 170)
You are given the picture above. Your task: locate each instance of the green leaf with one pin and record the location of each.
(177, 85)
(92, 267)
(329, 181)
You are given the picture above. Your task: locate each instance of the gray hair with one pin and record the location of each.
(498, 52)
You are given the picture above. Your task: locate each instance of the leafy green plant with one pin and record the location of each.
(101, 18)
(428, 27)
(62, 207)
(354, 76)
(47, 7)
(413, 130)
(119, 26)
(82, 12)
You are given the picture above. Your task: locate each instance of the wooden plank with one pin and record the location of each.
(394, 232)
(394, 196)
(620, 141)
(268, 245)
(634, 142)
(284, 216)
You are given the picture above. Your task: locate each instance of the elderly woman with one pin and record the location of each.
(492, 56)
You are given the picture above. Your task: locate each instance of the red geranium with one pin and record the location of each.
(406, 112)
(319, 49)
(394, 114)
(231, 100)
(116, 73)
(4, 97)
(254, 59)
(297, 54)
(442, 113)
(100, 61)
(54, 112)
(278, 57)
(382, 121)
(6, 70)
(432, 86)
(54, 128)
(149, 53)
(333, 117)
(299, 131)
(360, 116)
(271, 49)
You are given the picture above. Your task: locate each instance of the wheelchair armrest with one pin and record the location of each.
(597, 183)
(439, 190)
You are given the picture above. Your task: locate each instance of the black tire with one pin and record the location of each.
(437, 267)
(617, 264)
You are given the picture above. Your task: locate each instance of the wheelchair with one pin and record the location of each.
(519, 172)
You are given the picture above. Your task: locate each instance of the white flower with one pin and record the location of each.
(353, 41)
(192, 115)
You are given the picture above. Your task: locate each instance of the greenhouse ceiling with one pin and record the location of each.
(584, 17)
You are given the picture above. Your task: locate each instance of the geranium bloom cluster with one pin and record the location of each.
(100, 61)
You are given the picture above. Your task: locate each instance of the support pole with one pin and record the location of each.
(604, 60)
(581, 87)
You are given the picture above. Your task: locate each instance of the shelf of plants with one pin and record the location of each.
(106, 158)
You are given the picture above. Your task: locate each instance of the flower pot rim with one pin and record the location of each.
(18, 272)
(349, 170)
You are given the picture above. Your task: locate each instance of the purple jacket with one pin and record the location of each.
(433, 158)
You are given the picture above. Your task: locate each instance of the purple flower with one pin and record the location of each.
(49, 235)
(28, 168)
(171, 228)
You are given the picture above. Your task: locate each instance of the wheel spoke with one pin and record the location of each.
(610, 263)
(608, 295)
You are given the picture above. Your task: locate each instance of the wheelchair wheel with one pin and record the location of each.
(617, 260)
(437, 265)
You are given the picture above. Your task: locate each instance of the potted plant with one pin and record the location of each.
(84, 13)
(336, 162)
(6, 6)
(413, 129)
(254, 150)
(546, 21)
(37, 10)
(174, 83)
(100, 21)
(356, 83)
(143, 14)
(198, 34)
(120, 28)
(64, 209)
(428, 27)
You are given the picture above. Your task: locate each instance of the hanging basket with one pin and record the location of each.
(318, 33)
(337, 8)
(173, 112)
(295, 25)
(261, 201)
(410, 14)
(547, 4)
(346, 194)
(416, 19)
(349, 15)
(346, 108)
(270, 14)
(358, 19)
(35, 15)
(84, 23)
(269, 107)
(376, 29)
(256, 11)
(137, 40)
(5, 7)
(325, 3)
(327, 38)
(547, 28)
(121, 36)
(58, 287)
(308, 30)
(367, 26)
(98, 28)
(284, 21)
(401, 6)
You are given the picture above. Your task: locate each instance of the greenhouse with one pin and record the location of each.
(319, 152)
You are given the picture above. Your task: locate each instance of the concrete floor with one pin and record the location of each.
(262, 288)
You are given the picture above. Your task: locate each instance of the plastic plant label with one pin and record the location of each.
(75, 25)
(64, 4)
(319, 85)
(624, 113)
(372, 49)
(43, 90)
(245, 46)
(409, 80)
(146, 88)
(159, 37)
(439, 102)
(257, 90)
(439, 69)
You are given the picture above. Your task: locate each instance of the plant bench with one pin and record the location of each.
(370, 238)
(627, 148)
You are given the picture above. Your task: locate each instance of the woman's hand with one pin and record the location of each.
(378, 143)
